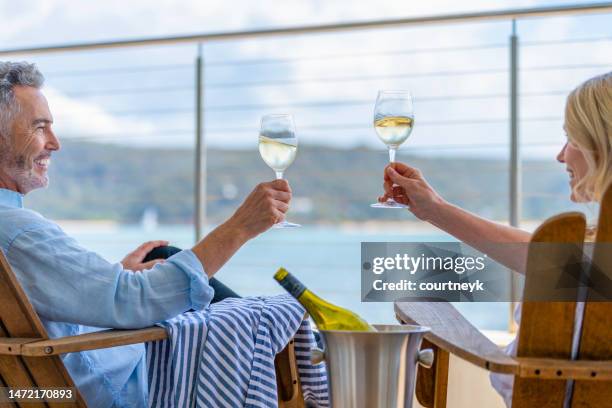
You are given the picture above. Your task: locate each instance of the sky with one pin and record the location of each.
(458, 73)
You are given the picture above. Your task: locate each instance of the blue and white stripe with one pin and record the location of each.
(224, 356)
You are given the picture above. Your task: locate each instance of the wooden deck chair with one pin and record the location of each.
(28, 358)
(543, 362)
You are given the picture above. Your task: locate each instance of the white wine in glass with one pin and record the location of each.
(393, 123)
(278, 147)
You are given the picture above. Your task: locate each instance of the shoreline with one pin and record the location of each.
(373, 226)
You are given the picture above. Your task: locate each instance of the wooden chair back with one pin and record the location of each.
(19, 320)
(547, 328)
(596, 337)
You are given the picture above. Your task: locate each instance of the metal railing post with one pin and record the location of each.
(515, 159)
(200, 149)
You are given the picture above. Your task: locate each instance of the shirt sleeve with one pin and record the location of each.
(67, 283)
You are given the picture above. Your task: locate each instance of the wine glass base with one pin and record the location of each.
(389, 204)
(285, 224)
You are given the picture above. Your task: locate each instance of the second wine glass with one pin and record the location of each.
(393, 122)
(278, 147)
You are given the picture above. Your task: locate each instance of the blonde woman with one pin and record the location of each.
(587, 156)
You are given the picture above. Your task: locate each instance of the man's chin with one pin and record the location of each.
(33, 184)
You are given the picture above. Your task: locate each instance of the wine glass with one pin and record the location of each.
(278, 146)
(393, 122)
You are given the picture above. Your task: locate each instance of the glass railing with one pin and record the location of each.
(127, 120)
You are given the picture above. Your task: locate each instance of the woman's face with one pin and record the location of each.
(575, 164)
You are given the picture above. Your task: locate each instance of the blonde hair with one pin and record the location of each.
(588, 123)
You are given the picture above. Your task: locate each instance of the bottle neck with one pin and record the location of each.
(293, 286)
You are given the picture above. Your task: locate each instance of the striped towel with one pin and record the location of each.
(223, 356)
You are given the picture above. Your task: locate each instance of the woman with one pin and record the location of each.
(587, 156)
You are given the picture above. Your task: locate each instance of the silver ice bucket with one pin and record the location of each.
(373, 369)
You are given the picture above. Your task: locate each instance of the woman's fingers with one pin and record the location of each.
(396, 177)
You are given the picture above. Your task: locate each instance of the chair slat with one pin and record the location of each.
(20, 320)
(287, 378)
(596, 337)
(14, 373)
(547, 327)
(6, 404)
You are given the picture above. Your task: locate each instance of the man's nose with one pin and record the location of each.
(53, 142)
(561, 154)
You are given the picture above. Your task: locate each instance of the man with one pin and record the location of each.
(76, 291)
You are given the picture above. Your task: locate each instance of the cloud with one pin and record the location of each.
(439, 124)
(20, 16)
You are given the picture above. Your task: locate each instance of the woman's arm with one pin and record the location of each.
(494, 239)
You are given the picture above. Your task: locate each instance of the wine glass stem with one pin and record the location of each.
(392, 151)
(279, 175)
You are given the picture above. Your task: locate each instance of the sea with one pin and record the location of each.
(325, 258)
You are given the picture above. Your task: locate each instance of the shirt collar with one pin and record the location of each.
(11, 198)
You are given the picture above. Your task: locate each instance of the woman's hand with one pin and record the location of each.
(406, 185)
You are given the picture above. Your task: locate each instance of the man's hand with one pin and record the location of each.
(264, 207)
(133, 260)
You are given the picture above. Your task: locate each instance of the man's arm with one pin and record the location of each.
(67, 283)
(264, 207)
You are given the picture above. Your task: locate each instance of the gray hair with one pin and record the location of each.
(14, 74)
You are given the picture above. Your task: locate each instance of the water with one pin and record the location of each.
(326, 259)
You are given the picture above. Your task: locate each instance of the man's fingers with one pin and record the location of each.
(153, 244)
(281, 184)
(281, 206)
(280, 217)
(279, 195)
(148, 246)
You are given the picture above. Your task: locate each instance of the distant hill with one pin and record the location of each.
(96, 181)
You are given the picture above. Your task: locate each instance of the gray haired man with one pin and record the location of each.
(75, 290)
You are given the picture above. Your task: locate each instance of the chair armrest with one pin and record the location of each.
(12, 345)
(453, 333)
(559, 369)
(82, 342)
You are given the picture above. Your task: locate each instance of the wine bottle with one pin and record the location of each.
(327, 316)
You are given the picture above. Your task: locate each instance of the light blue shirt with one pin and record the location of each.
(76, 291)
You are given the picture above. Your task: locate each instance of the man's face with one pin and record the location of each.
(31, 141)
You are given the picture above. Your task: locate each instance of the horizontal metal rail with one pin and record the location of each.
(324, 28)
